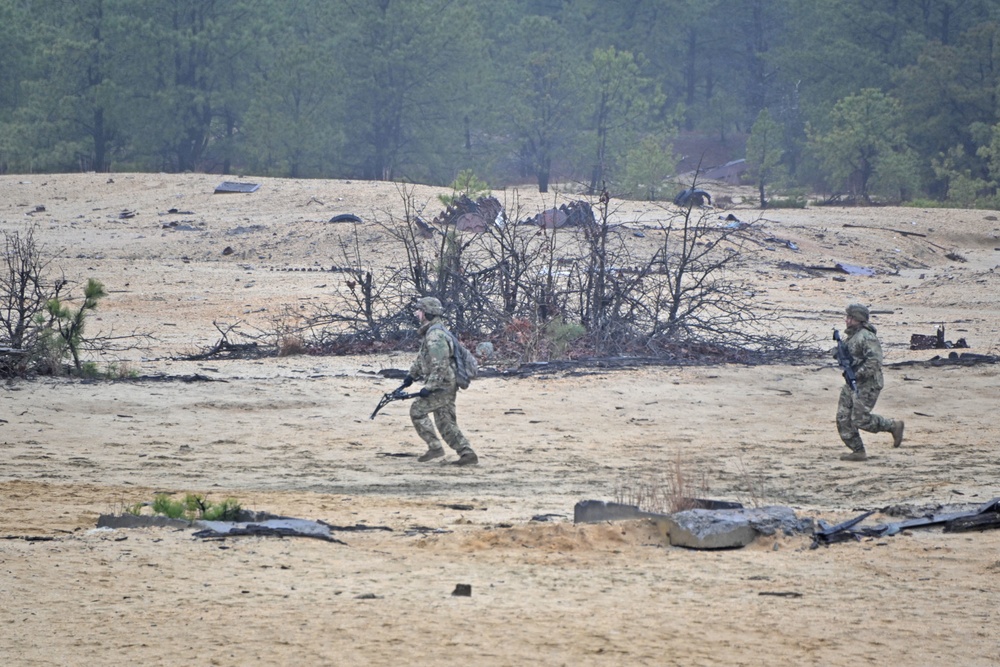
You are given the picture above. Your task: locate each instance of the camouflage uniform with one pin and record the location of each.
(854, 412)
(435, 367)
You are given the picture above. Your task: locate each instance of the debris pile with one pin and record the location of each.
(982, 517)
(710, 524)
(471, 216)
(935, 342)
(477, 216)
(573, 214)
(718, 525)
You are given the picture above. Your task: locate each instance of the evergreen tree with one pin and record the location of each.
(544, 86)
(764, 152)
(294, 121)
(865, 141)
(622, 104)
(411, 69)
(68, 115)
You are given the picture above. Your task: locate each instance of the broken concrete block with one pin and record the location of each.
(139, 521)
(732, 529)
(709, 529)
(596, 511)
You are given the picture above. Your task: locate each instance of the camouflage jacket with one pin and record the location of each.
(434, 363)
(866, 354)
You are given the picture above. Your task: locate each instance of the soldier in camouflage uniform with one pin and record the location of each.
(436, 367)
(854, 411)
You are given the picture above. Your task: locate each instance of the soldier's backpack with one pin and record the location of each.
(466, 366)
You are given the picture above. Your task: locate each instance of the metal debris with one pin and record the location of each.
(935, 342)
(228, 187)
(345, 217)
(985, 516)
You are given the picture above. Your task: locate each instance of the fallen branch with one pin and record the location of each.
(887, 229)
(953, 359)
(226, 348)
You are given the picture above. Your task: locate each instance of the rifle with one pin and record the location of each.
(844, 359)
(396, 395)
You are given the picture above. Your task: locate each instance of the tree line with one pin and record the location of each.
(874, 100)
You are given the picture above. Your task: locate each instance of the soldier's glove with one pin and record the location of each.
(424, 392)
(407, 381)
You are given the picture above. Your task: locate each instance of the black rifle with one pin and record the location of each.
(844, 359)
(396, 395)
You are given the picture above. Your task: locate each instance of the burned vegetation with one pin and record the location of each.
(567, 285)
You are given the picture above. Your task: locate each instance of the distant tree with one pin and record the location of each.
(412, 70)
(948, 94)
(181, 59)
(865, 134)
(294, 121)
(648, 166)
(623, 100)
(70, 101)
(764, 152)
(544, 92)
(759, 25)
(18, 42)
(991, 153)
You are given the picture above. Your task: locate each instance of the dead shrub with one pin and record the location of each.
(290, 346)
(753, 484)
(673, 490)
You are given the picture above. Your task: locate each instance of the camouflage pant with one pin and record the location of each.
(441, 404)
(854, 413)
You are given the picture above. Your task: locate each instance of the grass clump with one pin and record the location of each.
(195, 506)
(134, 508)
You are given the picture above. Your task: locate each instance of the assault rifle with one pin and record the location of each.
(398, 395)
(844, 359)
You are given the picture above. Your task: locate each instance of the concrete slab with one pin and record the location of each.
(137, 521)
(732, 529)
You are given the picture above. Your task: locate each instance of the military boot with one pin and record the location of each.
(897, 432)
(467, 457)
(859, 455)
(431, 454)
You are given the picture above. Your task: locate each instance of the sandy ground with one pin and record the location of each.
(292, 436)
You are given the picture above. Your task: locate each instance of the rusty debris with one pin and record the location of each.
(935, 342)
(471, 216)
(573, 214)
(477, 216)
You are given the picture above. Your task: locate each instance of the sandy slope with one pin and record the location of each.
(292, 436)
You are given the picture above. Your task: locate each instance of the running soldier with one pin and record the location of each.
(854, 412)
